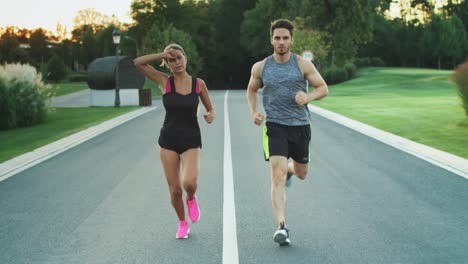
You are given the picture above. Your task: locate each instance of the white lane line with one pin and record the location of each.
(27, 160)
(230, 253)
(447, 161)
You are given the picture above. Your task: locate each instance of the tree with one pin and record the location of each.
(85, 48)
(255, 29)
(92, 18)
(227, 35)
(9, 48)
(157, 40)
(105, 45)
(459, 9)
(458, 42)
(39, 52)
(56, 69)
(348, 22)
(439, 36)
(305, 38)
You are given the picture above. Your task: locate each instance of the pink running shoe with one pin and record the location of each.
(183, 230)
(193, 209)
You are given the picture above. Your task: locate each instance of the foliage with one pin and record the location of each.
(460, 77)
(157, 40)
(335, 74)
(255, 35)
(439, 42)
(24, 96)
(56, 69)
(306, 38)
(78, 77)
(39, 52)
(350, 69)
(10, 50)
(349, 24)
(7, 108)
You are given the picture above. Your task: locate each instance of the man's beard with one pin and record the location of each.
(286, 50)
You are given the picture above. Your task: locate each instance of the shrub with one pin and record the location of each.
(350, 69)
(460, 77)
(375, 61)
(24, 97)
(335, 74)
(362, 62)
(7, 109)
(30, 105)
(56, 70)
(78, 77)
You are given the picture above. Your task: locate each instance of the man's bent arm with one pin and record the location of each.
(252, 89)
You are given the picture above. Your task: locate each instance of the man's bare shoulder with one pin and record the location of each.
(305, 65)
(257, 68)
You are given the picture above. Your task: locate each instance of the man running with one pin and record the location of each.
(283, 77)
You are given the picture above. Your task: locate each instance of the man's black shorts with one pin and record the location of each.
(287, 141)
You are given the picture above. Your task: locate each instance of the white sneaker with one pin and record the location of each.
(281, 237)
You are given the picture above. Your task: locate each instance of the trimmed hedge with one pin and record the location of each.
(351, 69)
(373, 61)
(460, 77)
(335, 74)
(78, 77)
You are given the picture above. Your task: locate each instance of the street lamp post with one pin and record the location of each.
(134, 42)
(308, 55)
(116, 39)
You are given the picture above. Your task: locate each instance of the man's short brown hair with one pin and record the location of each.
(282, 23)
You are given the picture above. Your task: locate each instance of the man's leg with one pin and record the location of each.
(278, 170)
(298, 169)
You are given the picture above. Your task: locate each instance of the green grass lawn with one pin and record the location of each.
(60, 123)
(68, 87)
(419, 104)
(72, 87)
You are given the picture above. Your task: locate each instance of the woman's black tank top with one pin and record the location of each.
(181, 111)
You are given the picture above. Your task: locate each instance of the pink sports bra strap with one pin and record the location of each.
(197, 87)
(168, 85)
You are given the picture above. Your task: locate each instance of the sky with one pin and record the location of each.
(46, 13)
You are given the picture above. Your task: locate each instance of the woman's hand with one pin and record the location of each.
(210, 116)
(169, 54)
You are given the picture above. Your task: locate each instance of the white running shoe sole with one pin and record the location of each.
(184, 237)
(281, 237)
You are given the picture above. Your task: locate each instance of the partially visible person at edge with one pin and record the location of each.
(286, 133)
(180, 138)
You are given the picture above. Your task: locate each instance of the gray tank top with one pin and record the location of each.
(281, 83)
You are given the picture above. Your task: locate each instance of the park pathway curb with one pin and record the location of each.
(450, 162)
(27, 160)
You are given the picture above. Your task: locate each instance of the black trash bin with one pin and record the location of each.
(145, 97)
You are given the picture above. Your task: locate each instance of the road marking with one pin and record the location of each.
(447, 161)
(230, 253)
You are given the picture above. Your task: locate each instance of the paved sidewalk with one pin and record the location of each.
(78, 99)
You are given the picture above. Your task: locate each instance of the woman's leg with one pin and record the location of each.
(190, 171)
(171, 163)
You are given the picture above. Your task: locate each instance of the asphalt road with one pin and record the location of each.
(106, 201)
